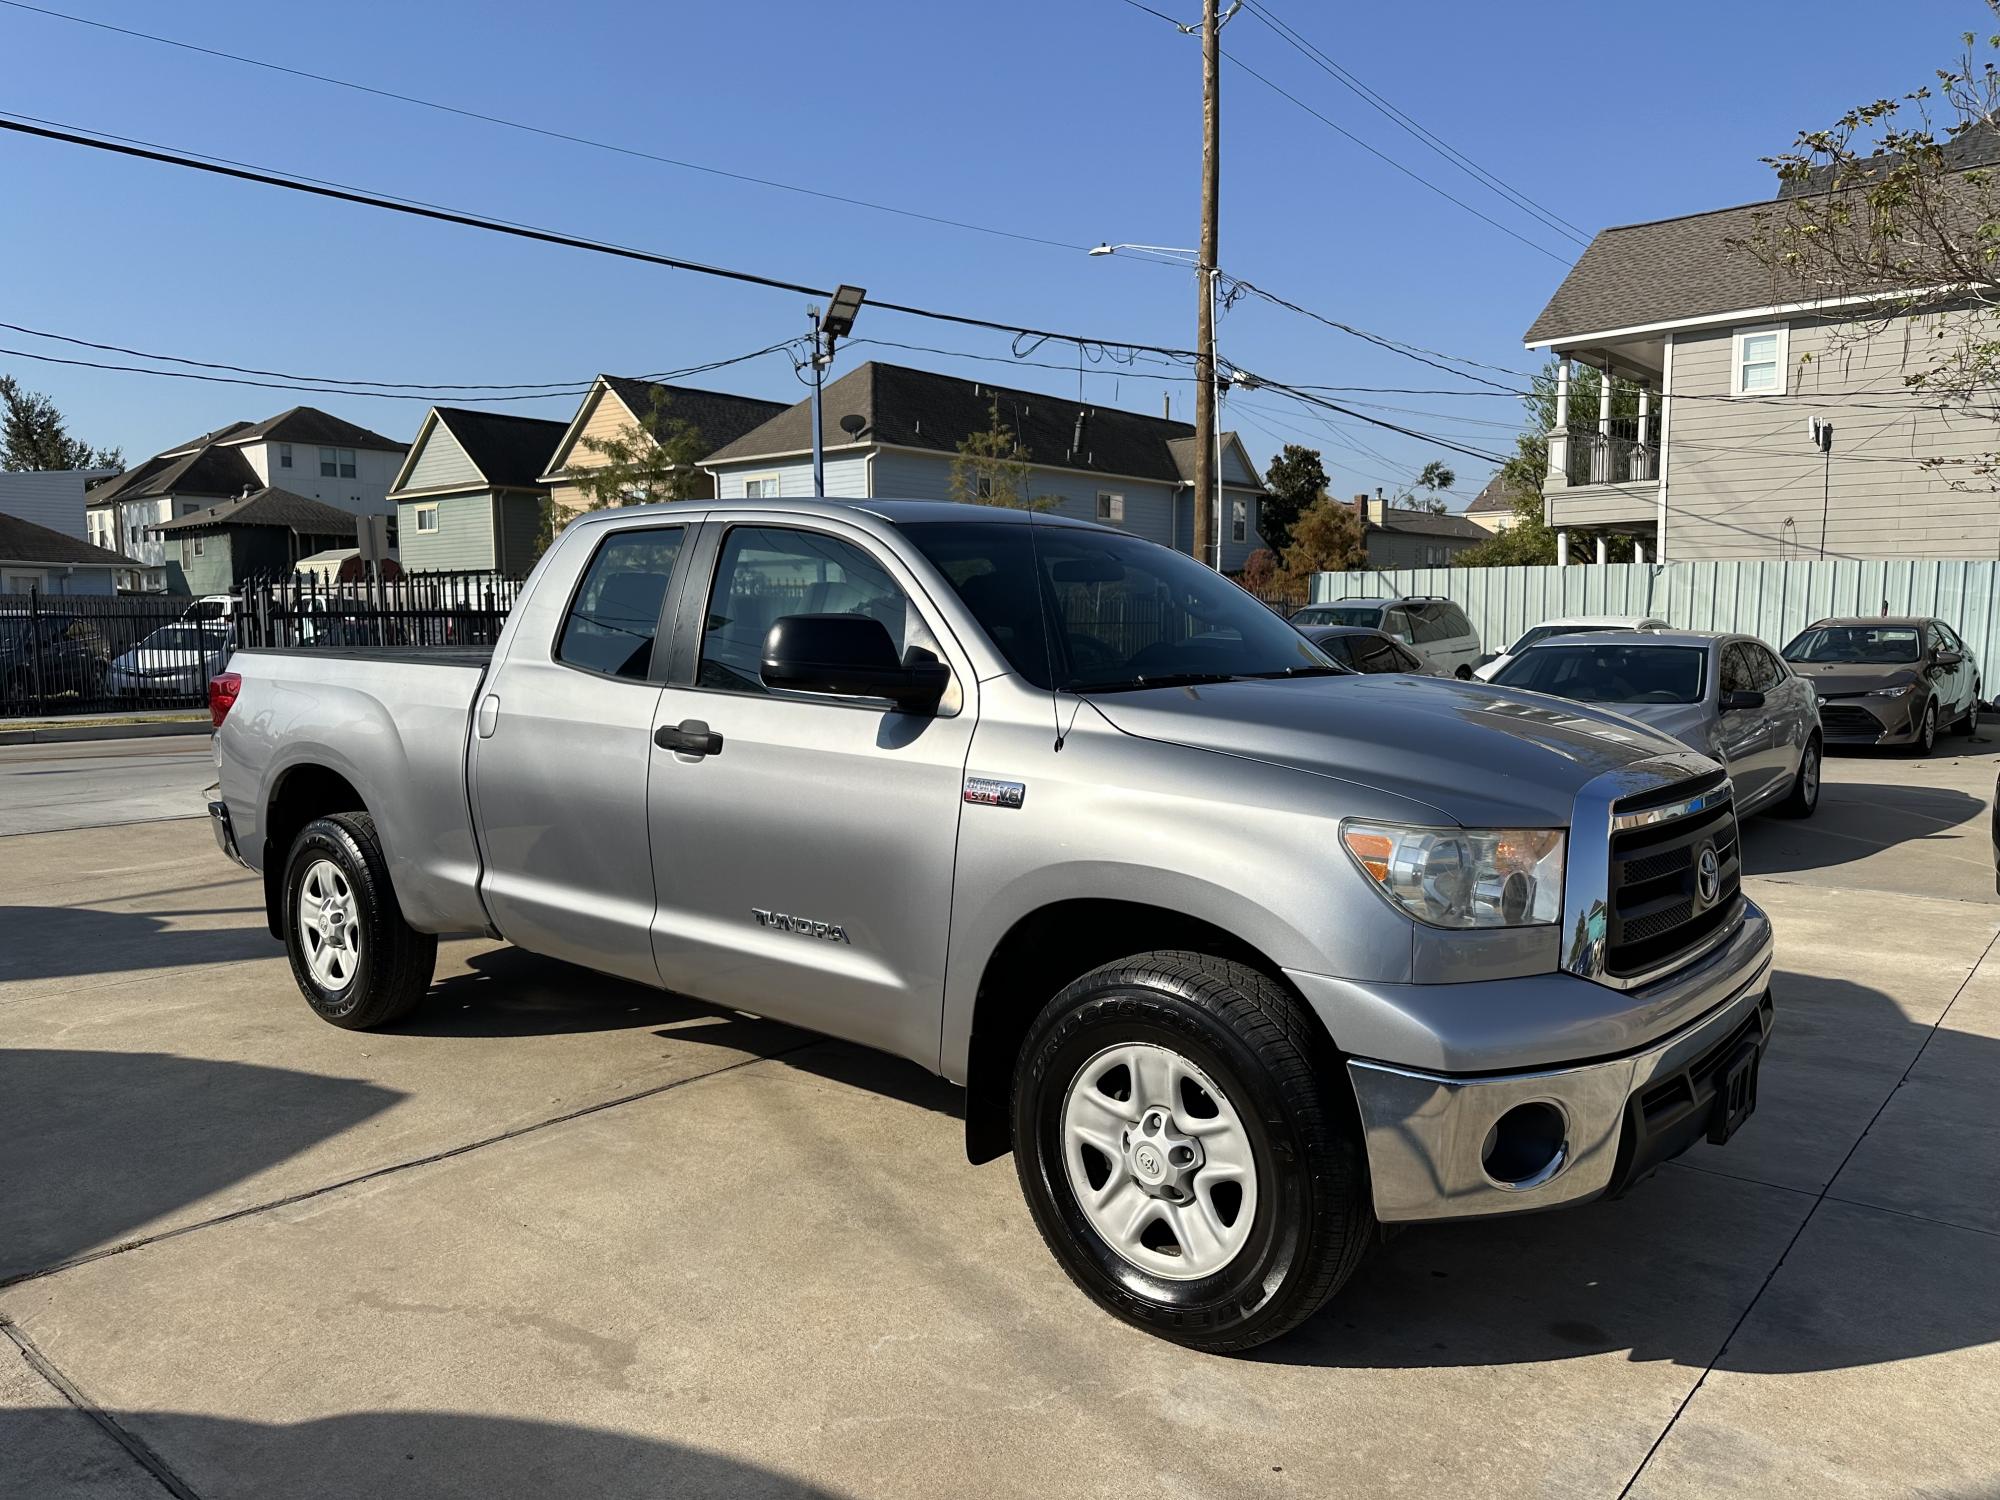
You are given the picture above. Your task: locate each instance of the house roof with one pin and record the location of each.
(1182, 449)
(268, 507)
(207, 470)
(308, 424)
(1494, 497)
(1428, 523)
(25, 542)
(718, 416)
(509, 452)
(907, 408)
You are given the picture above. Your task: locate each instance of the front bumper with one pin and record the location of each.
(1871, 721)
(1428, 1134)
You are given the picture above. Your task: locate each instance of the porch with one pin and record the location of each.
(1608, 440)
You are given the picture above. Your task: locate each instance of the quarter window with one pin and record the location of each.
(615, 616)
(1758, 361)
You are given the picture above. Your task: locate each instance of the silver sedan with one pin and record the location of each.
(1729, 696)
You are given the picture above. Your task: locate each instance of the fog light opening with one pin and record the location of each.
(1526, 1146)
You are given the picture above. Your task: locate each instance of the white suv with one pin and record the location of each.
(1429, 624)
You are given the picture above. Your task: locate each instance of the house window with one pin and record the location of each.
(197, 546)
(427, 519)
(336, 463)
(1110, 507)
(763, 487)
(1757, 361)
(982, 487)
(187, 552)
(1239, 521)
(284, 455)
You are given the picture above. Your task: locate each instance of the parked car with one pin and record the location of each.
(1238, 952)
(1360, 649)
(174, 661)
(1893, 681)
(1432, 626)
(1487, 670)
(1728, 696)
(56, 654)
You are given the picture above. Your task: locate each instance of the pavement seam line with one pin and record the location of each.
(1819, 1198)
(393, 1168)
(1831, 1197)
(140, 1451)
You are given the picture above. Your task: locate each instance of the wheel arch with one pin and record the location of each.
(1047, 949)
(300, 793)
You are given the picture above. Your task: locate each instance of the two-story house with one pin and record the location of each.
(1410, 536)
(891, 432)
(470, 494)
(303, 451)
(618, 409)
(1720, 368)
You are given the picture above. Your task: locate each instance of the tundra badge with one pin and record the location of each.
(989, 793)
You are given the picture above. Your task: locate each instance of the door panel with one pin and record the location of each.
(560, 781)
(804, 867)
(1743, 733)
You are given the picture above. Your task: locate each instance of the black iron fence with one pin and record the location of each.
(418, 609)
(74, 654)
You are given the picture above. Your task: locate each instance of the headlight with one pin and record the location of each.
(1894, 692)
(1463, 877)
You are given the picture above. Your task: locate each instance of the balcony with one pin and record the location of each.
(1627, 454)
(1605, 455)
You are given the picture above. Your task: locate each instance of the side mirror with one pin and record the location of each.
(1947, 658)
(1740, 699)
(850, 656)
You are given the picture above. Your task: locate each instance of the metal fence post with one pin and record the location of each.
(35, 649)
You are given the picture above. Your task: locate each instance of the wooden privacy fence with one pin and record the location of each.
(1774, 600)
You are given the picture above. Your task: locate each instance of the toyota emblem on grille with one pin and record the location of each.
(1707, 875)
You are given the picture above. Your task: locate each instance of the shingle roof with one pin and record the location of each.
(205, 439)
(513, 451)
(1494, 496)
(268, 507)
(717, 415)
(25, 542)
(202, 471)
(1428, 523)
(908, 408)
(308, 424)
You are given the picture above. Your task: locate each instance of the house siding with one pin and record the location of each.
(443, 465)
(846, 478)
(463, 540)
(520, 518)
(1401, 549)
(49, 497)
(1740, 470)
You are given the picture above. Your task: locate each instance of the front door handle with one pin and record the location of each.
(689, 737)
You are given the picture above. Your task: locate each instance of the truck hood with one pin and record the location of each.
(1484, 756)
(1830, 679)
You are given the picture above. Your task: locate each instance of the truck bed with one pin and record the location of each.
(441, 656)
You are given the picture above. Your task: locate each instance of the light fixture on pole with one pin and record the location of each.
(1211, 277)
(837, 323)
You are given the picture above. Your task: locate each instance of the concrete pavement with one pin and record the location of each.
(563, 1236)
(99, 783)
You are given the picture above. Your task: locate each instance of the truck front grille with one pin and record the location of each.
(1657, 912)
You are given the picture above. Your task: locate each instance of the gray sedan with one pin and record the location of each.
(1728, 696)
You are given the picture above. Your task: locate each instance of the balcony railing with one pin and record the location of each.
(1622, 456)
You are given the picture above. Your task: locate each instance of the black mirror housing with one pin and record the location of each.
(850, 656)
(1741, 699)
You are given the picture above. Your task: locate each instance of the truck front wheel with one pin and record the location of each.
(358, 963)
(1183, 1156)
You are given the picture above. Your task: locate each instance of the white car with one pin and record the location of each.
(175, 660)
(1429, 624)
(1567, 625)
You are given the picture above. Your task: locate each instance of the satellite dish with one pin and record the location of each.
(853, 424)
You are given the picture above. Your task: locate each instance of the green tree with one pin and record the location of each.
(1428, 492)
(993, 468)
(1876, 205)
(33, 434)
(654, 459)
(1295, 481)
(1326, 538)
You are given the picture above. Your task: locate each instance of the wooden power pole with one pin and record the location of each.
(1204, 365)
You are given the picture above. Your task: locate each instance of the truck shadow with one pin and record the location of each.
(94, 1146)
(57, 1450)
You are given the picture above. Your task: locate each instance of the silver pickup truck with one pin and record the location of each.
(1239, 953)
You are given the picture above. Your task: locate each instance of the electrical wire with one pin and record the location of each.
(541, 130)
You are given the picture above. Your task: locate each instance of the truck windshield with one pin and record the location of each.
(1855, 643)
(1125, 613)
(1610, 673)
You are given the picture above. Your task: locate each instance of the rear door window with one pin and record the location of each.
(1764, 669)
(1431, 624)
(614, 618)
(1455, 622)
(1736, 674)
(1373, 654)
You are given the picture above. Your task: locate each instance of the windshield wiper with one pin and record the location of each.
(1305, 671)
(1154, 680)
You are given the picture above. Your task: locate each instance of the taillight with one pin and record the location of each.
(222, 691)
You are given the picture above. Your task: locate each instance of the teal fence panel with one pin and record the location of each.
(1774, 600)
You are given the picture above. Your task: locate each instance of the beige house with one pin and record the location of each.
(1733, 369)
(1492, 509)
(616, 407)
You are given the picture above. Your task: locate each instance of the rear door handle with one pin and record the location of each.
(689, 737)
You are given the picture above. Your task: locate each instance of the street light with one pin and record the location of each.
(837, 323)
(1218, 380)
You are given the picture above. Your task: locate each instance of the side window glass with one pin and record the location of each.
(616, 612)
(1455, 622)
(1430, 624)
(1397, 623)
(1770, 672)
(1951, 638)
(1405, 661)
(1736, 677)
(766, 573)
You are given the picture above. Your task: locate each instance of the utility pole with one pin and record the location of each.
(1205, 471)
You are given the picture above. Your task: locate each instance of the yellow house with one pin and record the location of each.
(617, 407)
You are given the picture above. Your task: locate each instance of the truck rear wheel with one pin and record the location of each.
(1184, 1158)
(357, 962)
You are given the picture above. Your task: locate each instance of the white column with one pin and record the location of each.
(1558, 475)
(1600, 552)
(1666, 431)
(1604, 389)
(1562, 549)
(1638, 550)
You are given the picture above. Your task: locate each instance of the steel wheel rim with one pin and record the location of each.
(1128, 1116)
(329, 926)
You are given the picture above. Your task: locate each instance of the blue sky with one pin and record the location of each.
(1075, 122)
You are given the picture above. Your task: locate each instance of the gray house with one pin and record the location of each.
(1731, 366)
(470, 493)
(1408, 536)
(893, 432)
(258, 536)
(41, 559)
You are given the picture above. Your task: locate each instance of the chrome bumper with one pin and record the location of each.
(1427, 1133)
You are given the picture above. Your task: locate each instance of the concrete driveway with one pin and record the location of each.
(562, 1236)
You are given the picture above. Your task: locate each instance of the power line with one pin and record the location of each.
(1309, 399)
(558, 135)
(1421, 355)
(1389, 111)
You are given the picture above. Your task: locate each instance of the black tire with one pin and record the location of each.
(390, 965)
(1968, 722)
(1926, 740)
(1312, 1218)
(1804, 796)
